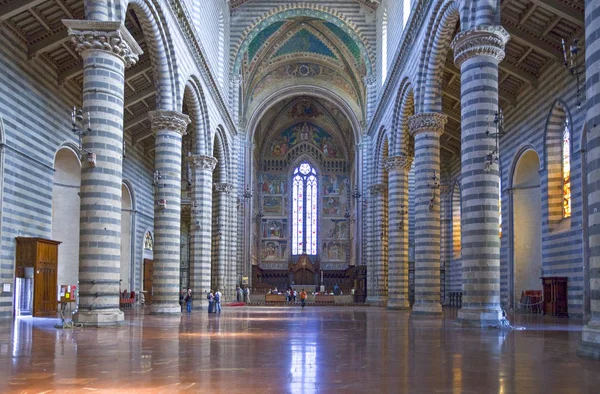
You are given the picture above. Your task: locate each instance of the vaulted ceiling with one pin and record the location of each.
(279, 130)
(303, 50)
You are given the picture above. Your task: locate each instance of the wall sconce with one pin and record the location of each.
(196, 224)
(196, 208)
(78, 128)
(571, 63)
(219, 233)
(247, 192)
(161, 203)
(433, 183)
(356, 193)
(158, 176)
(493, 156)
(402, 212)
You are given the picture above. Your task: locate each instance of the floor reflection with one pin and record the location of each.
(290, 350)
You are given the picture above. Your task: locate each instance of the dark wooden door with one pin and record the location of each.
(304, 277)
(45, 278)
(148, 277)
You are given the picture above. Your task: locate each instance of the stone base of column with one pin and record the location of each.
(427, 309)
(398, 304)
(100, 318)
(479, 317)
(376, 300)
(590, 345)
(161, 309)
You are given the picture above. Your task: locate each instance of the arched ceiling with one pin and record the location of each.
(313, 120)
(303, 50)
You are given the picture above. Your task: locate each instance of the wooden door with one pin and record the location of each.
(304, 277)
(45, 280)
(148, 276)
(44, 293)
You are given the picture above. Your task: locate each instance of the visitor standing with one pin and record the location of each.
(218, 296)
(188, 301)
(211, 301)
(181, 298)
(246, 294)
(303, 297)
(239, 294)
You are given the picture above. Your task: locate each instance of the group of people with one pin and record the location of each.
(186, 298)
(242, 295)
(214, 301)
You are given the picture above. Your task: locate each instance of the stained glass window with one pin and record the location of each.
(304, 210)
(566, 169)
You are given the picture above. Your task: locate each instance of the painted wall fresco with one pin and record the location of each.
(304, 132)
(305, 70)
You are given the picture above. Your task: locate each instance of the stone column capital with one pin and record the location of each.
(108, 36)
(169, 120)
(377, 189)
(370, 80)
(396, 163)
(202, 162)
(223, 187)
(483, 40)
(427, 121)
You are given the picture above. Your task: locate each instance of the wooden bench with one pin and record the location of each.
(324, 299)
(275, 298)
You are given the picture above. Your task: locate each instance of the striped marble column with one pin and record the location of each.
(223, 190)
(398, 167)
(200, 259)
(477, 53)
(590, 345)
(377, 294)
(168, 127)
(100, 217)
(426, 129)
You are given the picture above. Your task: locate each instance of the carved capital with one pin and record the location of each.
(109, 36)
(235, 78)
(427, 121)
(168, 121)
(370, 80)
(202, 162)
(378, 188)
(445, 188)
(223, 187)
(395, 163)
(483, 40)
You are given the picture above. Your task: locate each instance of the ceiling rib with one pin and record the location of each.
(16, 7)
(48, 44)
(537, 44)
(561, 10)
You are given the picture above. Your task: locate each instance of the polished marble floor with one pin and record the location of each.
(290, 350)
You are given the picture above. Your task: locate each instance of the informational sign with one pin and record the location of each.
(67, 293)
(244, 280)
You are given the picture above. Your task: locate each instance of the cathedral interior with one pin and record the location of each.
(424, 174)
